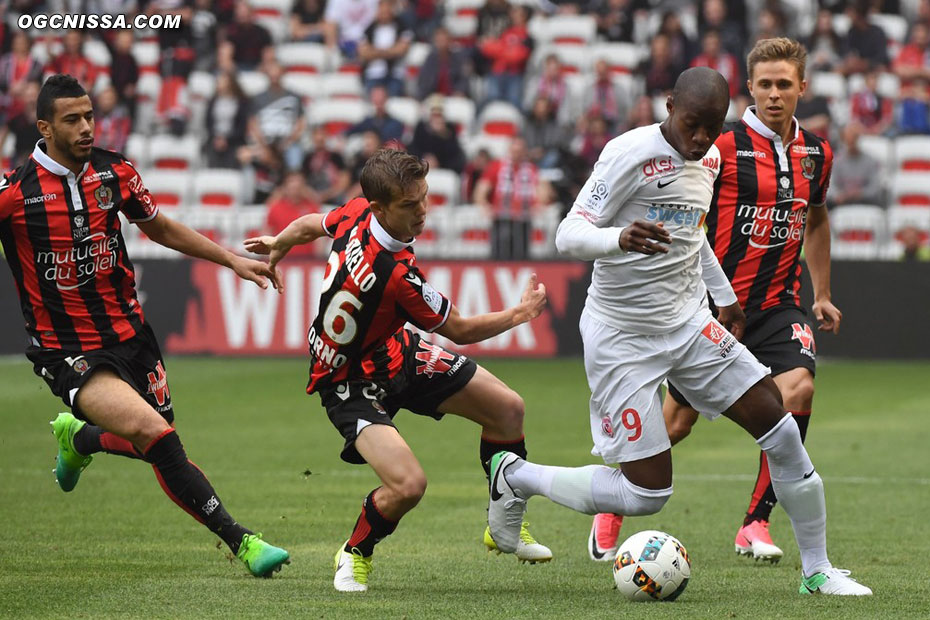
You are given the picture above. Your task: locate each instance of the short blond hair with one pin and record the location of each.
(779, 48)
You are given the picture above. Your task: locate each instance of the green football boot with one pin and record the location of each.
(69, 463)
(261, 558)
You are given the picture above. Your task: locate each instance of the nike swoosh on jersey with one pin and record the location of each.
(660, 184)
(413, 279)
(809, 474)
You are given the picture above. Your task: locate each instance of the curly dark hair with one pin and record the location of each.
(58, 86)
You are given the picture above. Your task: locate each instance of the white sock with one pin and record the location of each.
(590, 489)
(800, 490)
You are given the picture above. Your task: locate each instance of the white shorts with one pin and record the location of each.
(704, 361)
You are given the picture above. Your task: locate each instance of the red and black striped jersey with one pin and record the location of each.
(62, 240)
(760, 206)
(371, 289)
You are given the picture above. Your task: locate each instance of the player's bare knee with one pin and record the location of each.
(512, 411)
(143, 430)
(678, 429)
(410, 489)
(799, 393)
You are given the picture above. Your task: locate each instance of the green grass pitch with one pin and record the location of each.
(117, 547)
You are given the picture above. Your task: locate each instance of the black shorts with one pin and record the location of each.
(137, 361)
(780, 338)
(421, 385)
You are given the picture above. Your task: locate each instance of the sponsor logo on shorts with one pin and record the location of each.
(716, 333)
(158, 384)
(804, 335)
(435, 359)
(607, 427)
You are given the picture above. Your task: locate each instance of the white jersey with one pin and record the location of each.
(639, 175)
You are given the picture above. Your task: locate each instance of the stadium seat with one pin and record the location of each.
(565, 30)
(137, 150)
(829, 84)
(901, 218)
(201, 85)
(894, 26)
(147, 55)
(470, 233)
(543, 227)
(431, 243)
(96, 51)
(217, 187)
(460, 111)
(342, 86)
(910, 189)
(858, 231)
(170, 153)
(169, 188)
(878, 148)
(273, 16)
(500, 118)
(253, 82)
(415, 58)
(307, 86)
(462, 28)
(335, 116)
(497, 146)
(464, 7)
(574, 58)
(443, 187)
(404, 109)
(912, 153)
(620, 57)
(305, 57)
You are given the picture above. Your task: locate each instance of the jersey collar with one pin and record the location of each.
(383, 237)
(750, 118)
(42, 158)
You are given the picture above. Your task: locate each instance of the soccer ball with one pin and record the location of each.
(652, 566)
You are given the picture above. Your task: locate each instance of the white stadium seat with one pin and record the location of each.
(171, 153)
(305, 57)
(858, 231)
(169, 188)
(443, 187)
(500, 118)
(912, 153)
(217, 187)
(901, 218)
(336, 115)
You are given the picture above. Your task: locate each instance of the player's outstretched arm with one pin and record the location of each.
(462, 330)
(302, 230)
(175, 235)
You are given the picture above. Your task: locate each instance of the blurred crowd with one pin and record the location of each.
(516, 99)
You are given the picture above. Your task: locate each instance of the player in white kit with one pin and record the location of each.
(640, 216)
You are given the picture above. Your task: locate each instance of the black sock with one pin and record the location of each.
(93, 439)
(762, 504)
(187, 486)
(370, 528)
(87, 440)
(489, 448)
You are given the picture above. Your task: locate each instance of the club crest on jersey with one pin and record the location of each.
(158, 384)
(807, 168)
(104, 196)
(804, 335)
(717, 334)
(435, 359)
(607, 426)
